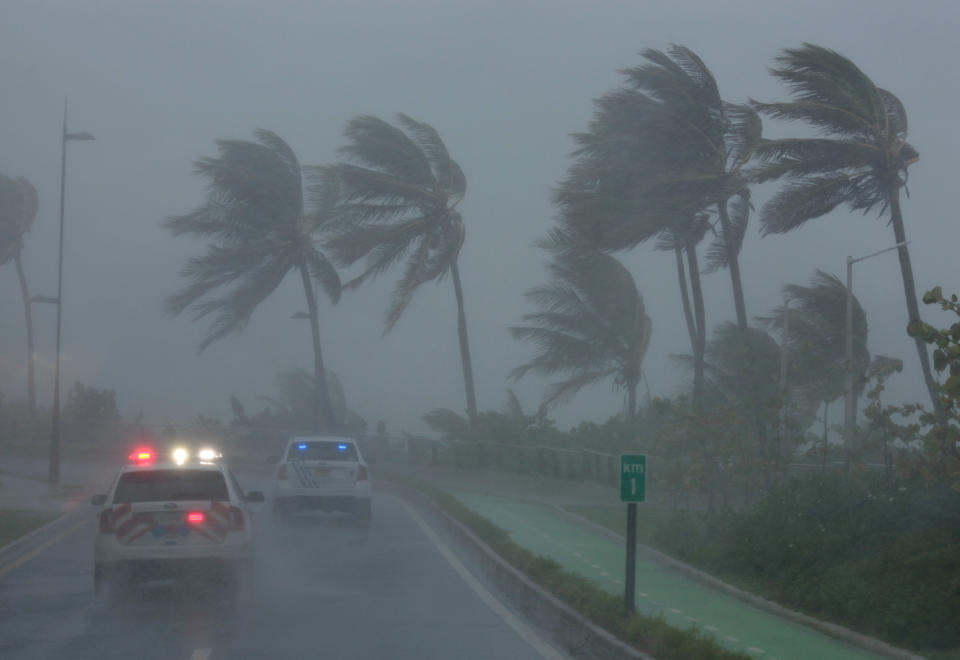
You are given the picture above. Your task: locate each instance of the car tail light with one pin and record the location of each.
(282, 473)
(196, 517)
(362, 473)
(106, 521)
(236, 519)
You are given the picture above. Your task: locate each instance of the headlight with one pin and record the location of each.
(180, 455)
(207, 455)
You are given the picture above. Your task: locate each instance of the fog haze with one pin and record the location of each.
(504, 83)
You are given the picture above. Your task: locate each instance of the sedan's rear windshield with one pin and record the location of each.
(322, 450)
(171, 486)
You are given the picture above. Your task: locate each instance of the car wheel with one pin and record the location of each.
(99, 580)
(362, 510)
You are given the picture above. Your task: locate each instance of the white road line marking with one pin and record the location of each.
(731, 638)
(694, 620)
(711, 628)
(675, 610)
(596, 566)
(43, 546)
(604, 573)
(526, 633)
(754, 649)
(616, 581)
(643, 593)
(577, 553)
(201, 654)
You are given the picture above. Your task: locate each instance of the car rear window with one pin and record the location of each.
(322, 450)
(171, 486)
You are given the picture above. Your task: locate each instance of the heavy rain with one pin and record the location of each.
(468, 330)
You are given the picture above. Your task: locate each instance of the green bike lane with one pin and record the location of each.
(680, 600)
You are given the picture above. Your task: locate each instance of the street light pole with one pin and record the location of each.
(850, 399)
(53, 472)
(783, 381)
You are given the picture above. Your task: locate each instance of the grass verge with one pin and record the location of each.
(16, 523)
(649, 634)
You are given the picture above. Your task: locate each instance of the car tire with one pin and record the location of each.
(99, 580)
(363, 510)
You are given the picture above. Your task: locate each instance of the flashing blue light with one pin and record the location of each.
(302, 447)
(342, 447)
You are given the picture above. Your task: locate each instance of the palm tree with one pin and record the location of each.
(683, 238)
(665, 147)
(815, 340)
(258, 231)
(860, 161)
(400, 197)
(592, 327)
(18, 209)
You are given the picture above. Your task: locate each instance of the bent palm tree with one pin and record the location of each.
(18, 209)
(861, 161)
(592, 326)
(815, 340)
(400, 200)
(258, 231)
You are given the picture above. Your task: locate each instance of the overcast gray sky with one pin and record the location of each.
(505, 83)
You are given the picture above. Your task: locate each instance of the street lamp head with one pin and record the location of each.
(83, 135)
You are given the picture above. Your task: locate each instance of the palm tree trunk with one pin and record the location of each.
(685, 298)
(321, 404)
(27, 312)
(913, 310)
(464, 345)
(632, 400)
(734, 266)
(699, 346)
(741, 309)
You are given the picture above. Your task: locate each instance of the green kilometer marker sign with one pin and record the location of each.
(633, 477)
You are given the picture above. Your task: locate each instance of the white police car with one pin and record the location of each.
(322, 472)
(183, 519)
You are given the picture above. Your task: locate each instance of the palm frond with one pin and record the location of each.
(384, 148)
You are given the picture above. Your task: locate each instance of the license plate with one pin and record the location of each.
(322, 472)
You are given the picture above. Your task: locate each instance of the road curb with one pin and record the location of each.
(831, 629)
(566, 627)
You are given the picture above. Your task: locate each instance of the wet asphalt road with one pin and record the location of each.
(324, 587)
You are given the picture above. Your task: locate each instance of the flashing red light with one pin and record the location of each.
(195, 517)
(361, 473)
(141, 456)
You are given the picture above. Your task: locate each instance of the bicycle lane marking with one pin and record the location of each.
(754, 629)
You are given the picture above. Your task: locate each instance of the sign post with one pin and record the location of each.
(633, 489)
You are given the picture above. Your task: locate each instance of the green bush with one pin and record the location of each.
(881, 556)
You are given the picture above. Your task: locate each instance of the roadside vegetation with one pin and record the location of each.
(16, 523)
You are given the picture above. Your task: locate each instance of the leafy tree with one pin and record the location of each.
(258, 231)
(860, 160)
(400, 198)
(292, 406)
(88, 406)
(946, 360)
(18, 209)
(592, 327)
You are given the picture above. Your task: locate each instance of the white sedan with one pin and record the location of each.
(322, 472)
(179, 520)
